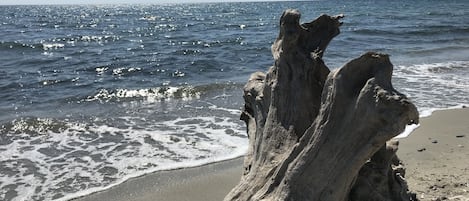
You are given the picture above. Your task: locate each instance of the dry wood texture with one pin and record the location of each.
(321, 135)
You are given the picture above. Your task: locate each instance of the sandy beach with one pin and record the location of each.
(436, 156)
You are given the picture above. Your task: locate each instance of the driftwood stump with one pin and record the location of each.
(321, 135)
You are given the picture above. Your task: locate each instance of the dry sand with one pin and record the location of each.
(436, 156)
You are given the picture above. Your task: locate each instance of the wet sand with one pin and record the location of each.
(436, 156)
(206, 183)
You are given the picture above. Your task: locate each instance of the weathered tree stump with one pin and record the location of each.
(321, 135)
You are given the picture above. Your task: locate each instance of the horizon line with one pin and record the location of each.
(144, 2)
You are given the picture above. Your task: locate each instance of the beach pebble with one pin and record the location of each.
(460, 136)
(174, 139)
(434, 141)
(440, 198)
(421, 149)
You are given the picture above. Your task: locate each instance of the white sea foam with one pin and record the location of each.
(408, 129)
(149, 94)
(85, 158)
(52, 46)
(435, 85)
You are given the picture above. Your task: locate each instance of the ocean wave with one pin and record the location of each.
(449, 67)
(52, 46)
(434, 85)
(64, 162)
(58, 43)
(12, 45)
(96, 38)
(33, 126)
(429, 30)
(114, 70)
(148, 94)
(164, 93)
(120, 71)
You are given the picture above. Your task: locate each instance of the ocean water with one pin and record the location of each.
(93, 95)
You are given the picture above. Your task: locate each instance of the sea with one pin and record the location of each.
(92, 95)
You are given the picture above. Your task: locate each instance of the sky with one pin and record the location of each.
(47, 2)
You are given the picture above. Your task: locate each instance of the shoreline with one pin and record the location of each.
(176, 185)
(434, 155)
